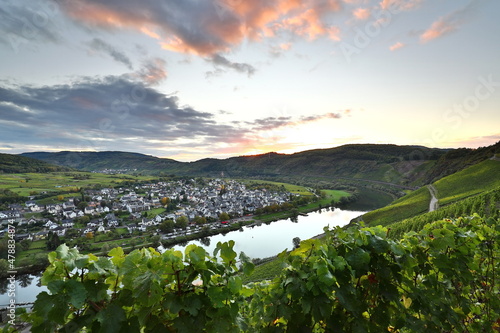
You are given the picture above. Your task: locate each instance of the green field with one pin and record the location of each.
(25, 183)
(266, 271)
(410, 205)
(471, 181)
(289, 187)
(478, 178)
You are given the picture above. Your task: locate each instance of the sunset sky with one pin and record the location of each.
(193, 79)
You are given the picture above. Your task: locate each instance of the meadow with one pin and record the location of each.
(25, 184)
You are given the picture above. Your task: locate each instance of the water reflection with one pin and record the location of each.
(257, 241)
(269, 239)
(27, 287)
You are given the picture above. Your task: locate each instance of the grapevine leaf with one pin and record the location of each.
(117, 256)
(111, 318)
(358, 259)
(235, 284)
(77, 293)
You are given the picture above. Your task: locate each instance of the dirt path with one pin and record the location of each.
(495, 158)
(434, 200)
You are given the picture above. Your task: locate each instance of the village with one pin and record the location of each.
(188, 204)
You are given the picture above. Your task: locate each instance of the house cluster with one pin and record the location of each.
(219, 196)
(208, 199)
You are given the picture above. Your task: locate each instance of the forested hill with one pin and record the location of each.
(92, 161)
(458, 159)
(20, 164)
(384, 163)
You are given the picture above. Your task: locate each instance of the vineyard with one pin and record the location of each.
(485, 205)
(468, 182)
(444, 278)
(410, 205)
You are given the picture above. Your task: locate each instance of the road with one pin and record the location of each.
(434, 200)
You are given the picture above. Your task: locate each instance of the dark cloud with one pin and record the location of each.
(330, 115)
(271, 123)
(108, 111)
(98, 44)
(220, 62)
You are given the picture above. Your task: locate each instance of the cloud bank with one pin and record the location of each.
(206, 28)
(122, 113)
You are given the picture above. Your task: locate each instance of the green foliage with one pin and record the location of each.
(15, 163)
(470, 181)
(443, 279)
(408, 206)
(458, 159)
(158, 292)
(53, 241)
(485, 205)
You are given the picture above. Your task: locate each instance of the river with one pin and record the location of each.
(257, 242)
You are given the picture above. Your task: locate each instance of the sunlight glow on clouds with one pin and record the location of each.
(202, 78)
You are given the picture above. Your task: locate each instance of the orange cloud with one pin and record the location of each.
(153, 71)
(396, 46)
(398, 5)
(441, 27)
(208, 27)
(361, 13)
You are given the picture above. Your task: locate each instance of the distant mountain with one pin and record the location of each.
(21, 164)
(93, 161)
(383, 163)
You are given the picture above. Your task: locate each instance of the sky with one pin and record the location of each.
(193, 79)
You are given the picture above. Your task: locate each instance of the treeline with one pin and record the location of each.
(442, 279)
(459, 159)
(484, 205)
(20, 164)
(9, 197)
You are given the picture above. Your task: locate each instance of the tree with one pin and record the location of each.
(53, 241)
(199, 220)
(82, 205)
(165, 201)
(155, 240)
(4, 267)
(223, 216)
(60, 197)
(25, 244)
(89, 235)
(296, 242)
(167, 226)
(181, 222)
(105, 247)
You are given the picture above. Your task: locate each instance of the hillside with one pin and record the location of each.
(471, 181)
(93, 161)
(21, 164)
(382, 163)
(459, 159)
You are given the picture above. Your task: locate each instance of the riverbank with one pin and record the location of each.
(330, 197)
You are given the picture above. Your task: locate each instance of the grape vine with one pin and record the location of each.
(444, 278)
